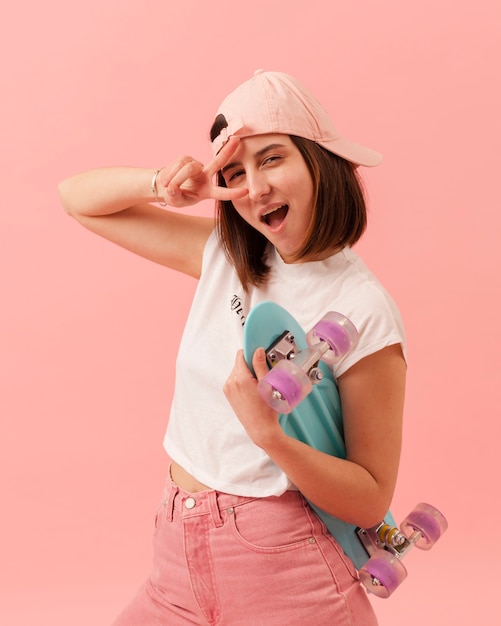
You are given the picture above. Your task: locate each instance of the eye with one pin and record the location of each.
(271, 159)
(234, 176)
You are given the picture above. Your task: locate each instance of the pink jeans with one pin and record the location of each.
(229, 560)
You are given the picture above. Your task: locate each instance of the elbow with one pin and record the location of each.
(365, 512)
(374, 512)
(373, 517)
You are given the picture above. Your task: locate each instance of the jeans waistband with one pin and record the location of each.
(184, 504)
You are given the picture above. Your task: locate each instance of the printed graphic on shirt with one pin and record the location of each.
(237, 307)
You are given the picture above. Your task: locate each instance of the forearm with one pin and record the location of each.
(118, 203)
(340, 487)
(105, 191)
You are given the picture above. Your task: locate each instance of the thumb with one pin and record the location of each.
(259, 363)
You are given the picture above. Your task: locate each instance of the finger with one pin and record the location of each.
(223, 193)
(169, 171)
(187, 171)
(259, 363)
(240, 362)
(223, 157)
(240, 373)
(241, 367)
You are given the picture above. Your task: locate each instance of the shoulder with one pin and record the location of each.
(359, 295)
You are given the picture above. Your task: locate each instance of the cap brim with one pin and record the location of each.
(353, 152)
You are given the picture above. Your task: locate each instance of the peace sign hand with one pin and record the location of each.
(187, 181)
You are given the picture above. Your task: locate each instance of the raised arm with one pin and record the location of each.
(120, 204)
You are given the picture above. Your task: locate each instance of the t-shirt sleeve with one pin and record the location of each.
(379, 325)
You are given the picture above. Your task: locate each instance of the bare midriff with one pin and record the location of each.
(185, 480)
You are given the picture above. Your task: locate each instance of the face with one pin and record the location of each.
(279, 202)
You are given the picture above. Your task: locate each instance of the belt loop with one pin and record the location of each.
(169, 505)
(214, 509)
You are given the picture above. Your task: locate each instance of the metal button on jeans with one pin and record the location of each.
(190, 502)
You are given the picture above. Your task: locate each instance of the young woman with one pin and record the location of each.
(235, 542)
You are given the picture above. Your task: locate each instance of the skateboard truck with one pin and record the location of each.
(285, 347)
(386, 537)
(387, 545)
(294, 372)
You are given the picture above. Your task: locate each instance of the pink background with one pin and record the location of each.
(89, 332)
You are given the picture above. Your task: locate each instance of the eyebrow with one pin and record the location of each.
(259, 153)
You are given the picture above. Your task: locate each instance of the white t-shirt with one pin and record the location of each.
(204, 436)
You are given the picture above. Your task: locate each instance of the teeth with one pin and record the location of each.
(265, 217)
(273, 210)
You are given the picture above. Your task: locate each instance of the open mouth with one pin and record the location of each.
(275, 217)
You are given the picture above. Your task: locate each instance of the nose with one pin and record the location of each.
(258, 185)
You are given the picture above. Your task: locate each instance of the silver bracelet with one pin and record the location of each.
(154, 188)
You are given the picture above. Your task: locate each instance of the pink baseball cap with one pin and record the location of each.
(273, 102)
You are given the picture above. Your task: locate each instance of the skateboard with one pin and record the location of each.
(300, 386)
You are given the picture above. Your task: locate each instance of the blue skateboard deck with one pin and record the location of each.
(317, 421)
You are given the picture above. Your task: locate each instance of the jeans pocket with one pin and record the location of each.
(263, 526)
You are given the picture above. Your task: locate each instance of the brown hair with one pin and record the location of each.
(338, 219)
